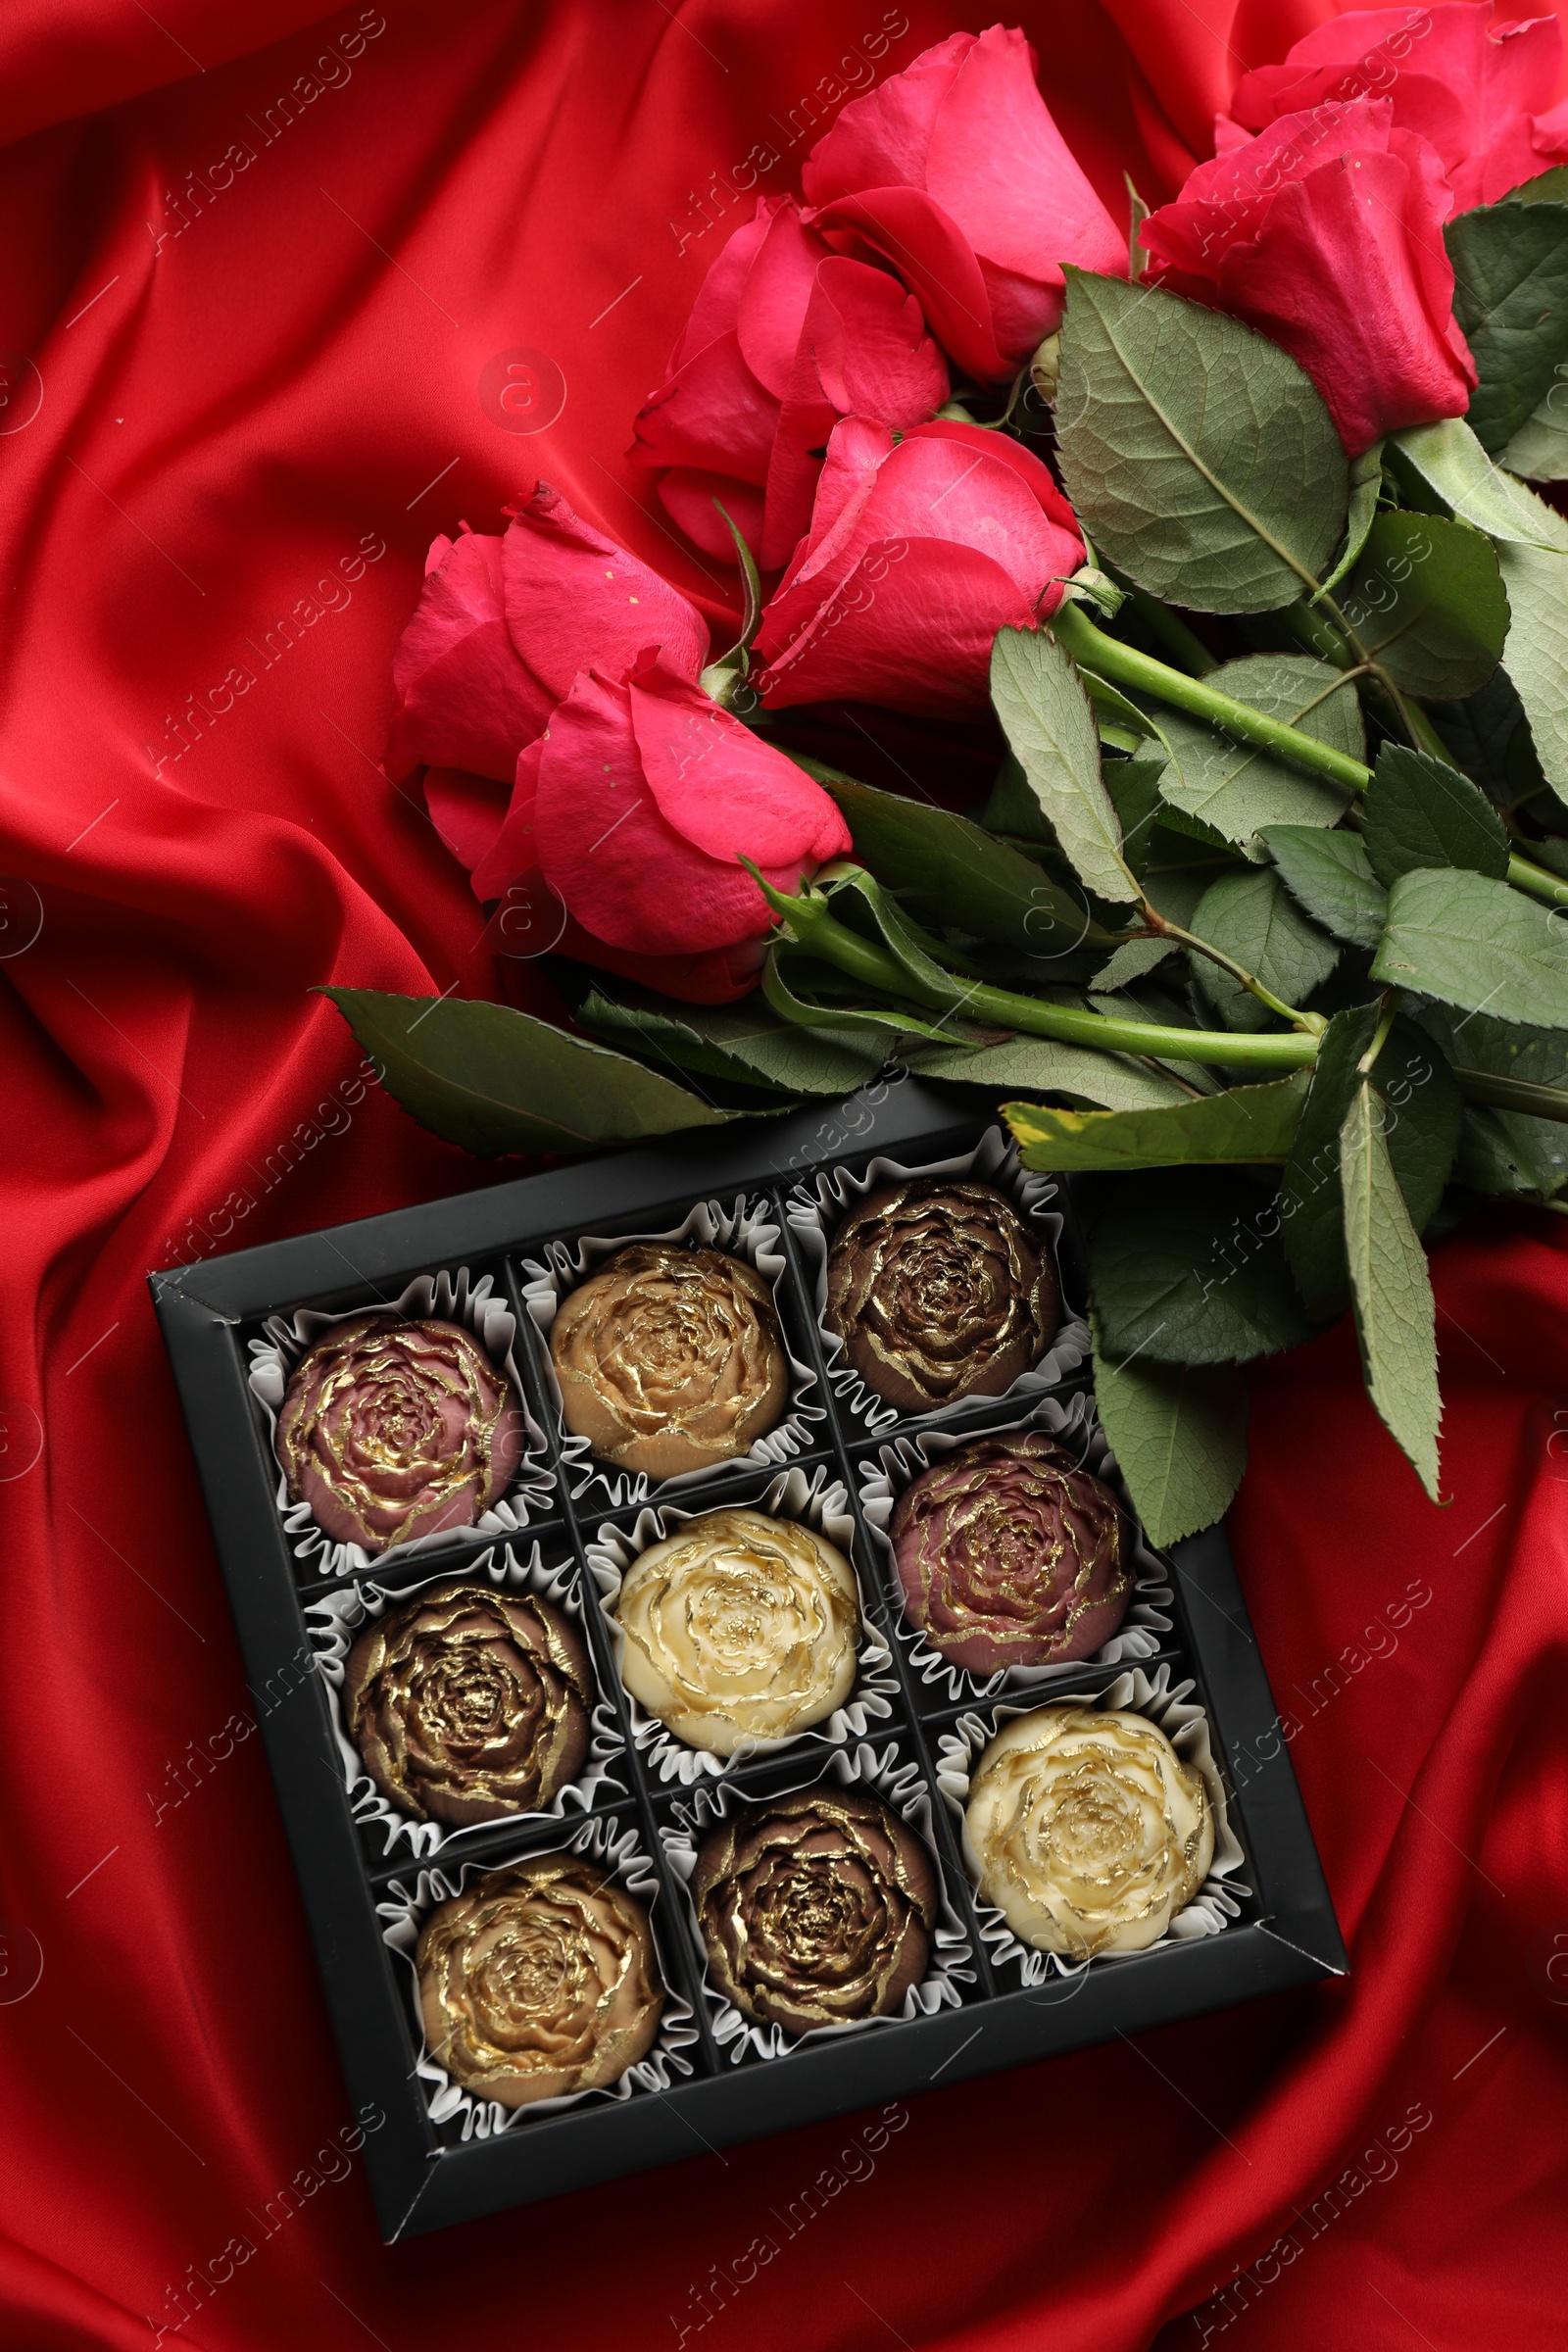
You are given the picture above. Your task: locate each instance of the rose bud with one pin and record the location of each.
(816, 1909)
(392, 1430)
(738, 1628)
(919, 551)
(503, 627)
(635, 807)
(938, 1291)
(1011, 1554)
(539, 1982)
(1326, 233)
(954, 172)
(669, 1359)
(1479, 92)
(785, 338)
(1090, 1832)
(468, 1704)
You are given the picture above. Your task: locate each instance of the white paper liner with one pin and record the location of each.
(815, 1210)
(1186, 1726)
(618, 1851)
(336, 1622)
(1147, 1622)
(810, 1499)
(746, 1230)
(900, 1785)
(453, 1298)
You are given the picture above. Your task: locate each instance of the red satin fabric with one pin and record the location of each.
(240, 402)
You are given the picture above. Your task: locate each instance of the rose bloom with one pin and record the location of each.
(1010, 1554)
(1480, 93)
(1090, 1832)
(939, 1290)
(539, 1982)
(919, 551)
(1326, 233)
(816, 1909)
(669, 1359)
(785, 338)
(739, 1630)
(391, 1431)
(468, 1704)
(954, 172)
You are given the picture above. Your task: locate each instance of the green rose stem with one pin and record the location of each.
(1125, 666)
(813, 925)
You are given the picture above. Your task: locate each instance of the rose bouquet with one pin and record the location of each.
(1212, 547)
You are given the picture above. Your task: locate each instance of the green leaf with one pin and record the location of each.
(1179, 1435)
(1045, 711)
(1134, 789)
(1474, 486)
(1392, 1290)
(744, 1044)
(1536, 1150)
(951, 872)
(1188, 1268)
(815, 994)
(1510, 297)
(1253, 919)
(1421, 811)
(1536, 653)
(1235, 788)
(1489, 737)
(1475, 942)
(1422, 1130)
(1331, 875)
(1133, 960)
(1426, 600)
(1366, 485)
(1241, 1125)
(494, 1080)
(1199, 458)
(1539, 450)
(1115, 1081)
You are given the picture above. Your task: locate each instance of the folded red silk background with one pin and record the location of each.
(244, 394)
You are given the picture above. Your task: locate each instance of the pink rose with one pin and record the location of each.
(785, 337)
(956, 173)
(919, 551)
(1477, 91)
(630, 813)
(1326, 232)
(503, 625)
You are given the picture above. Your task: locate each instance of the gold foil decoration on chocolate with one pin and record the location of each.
(815, 1909)
(669, 1359)
(1090, 1833)
(392, 1430)
(468, 1704)
(939, 1290)
(538, 1982)
(740, 1628)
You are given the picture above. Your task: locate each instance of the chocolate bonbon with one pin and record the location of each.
(939, 1290)
(669, 1359)
(1010, 1554)
(815, 1909)
(468, 1704)
(392, 1429)
(1090, 1833)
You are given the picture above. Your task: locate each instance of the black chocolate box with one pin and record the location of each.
(443, 2158)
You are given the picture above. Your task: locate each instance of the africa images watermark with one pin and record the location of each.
(333, 1116)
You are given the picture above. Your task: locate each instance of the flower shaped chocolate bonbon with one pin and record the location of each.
(816, 1909)
(1011, 1555)
(939, 1290)
(1090, 1832)
(669, 1359)
(468, 1704)
(392, 1430)
(539, 1982)
(740, 1628)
